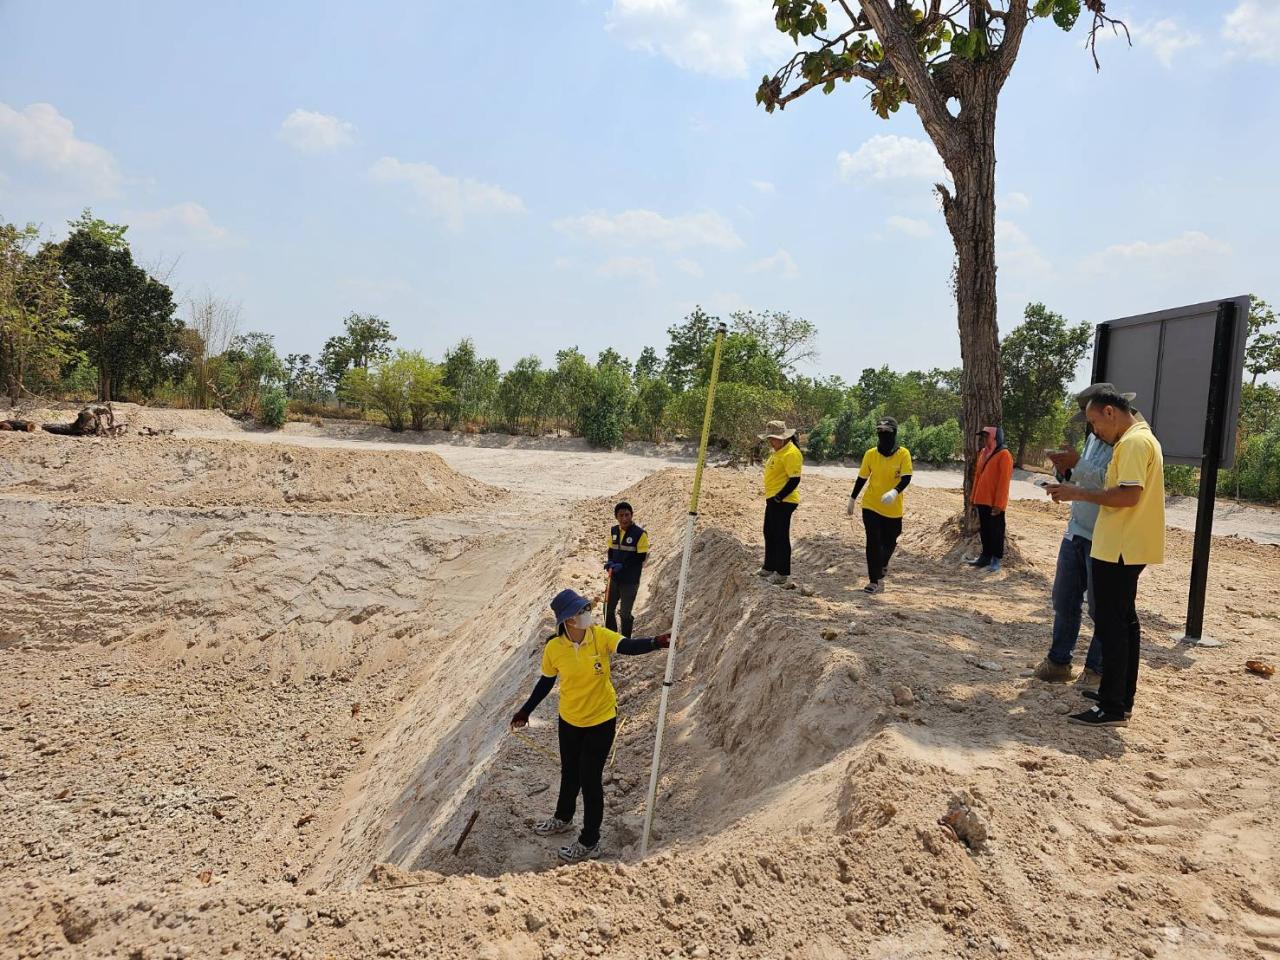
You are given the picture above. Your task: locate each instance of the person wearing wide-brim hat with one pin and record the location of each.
(781, 497)
(1073, 577)
(579, 655)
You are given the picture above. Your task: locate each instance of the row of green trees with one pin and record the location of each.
(80, 316)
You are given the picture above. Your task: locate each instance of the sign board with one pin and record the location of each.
(1166, 358)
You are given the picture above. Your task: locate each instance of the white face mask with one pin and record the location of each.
(583, 620)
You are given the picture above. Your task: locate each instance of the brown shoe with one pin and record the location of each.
(1051, 672)
(1089, 678)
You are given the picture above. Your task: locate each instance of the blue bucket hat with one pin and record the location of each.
(568, 603)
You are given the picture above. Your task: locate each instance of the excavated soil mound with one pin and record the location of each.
(294, 716)
(183, 472)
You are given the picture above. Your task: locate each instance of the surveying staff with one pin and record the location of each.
(1072, 581)
(1129, 535)
(991, 478)
(628, 550)
(579, 655)
(885, 472)
(781, 497)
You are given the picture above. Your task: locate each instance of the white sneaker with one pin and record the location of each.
(777, 578)
(576, 852)
(764, 574)
(551, 825)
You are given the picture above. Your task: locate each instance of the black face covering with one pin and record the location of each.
(886, 443)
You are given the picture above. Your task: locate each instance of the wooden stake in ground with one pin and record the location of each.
(466, 831)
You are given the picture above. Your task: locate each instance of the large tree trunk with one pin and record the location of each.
(971, 219)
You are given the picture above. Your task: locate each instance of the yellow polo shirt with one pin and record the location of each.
(882, 475)
(587, 696)
(1134, 533)
(781, 466)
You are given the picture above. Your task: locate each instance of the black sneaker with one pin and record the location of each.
(978, 562)
(1093, 695)
(1095, 717)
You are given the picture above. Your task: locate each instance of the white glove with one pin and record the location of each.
(891, 496)
(848, 511)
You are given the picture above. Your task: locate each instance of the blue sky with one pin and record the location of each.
(535, 175)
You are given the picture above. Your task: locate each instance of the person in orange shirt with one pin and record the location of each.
(991, 479)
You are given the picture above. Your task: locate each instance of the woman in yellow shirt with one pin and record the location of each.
(781, 497)
(579, 655)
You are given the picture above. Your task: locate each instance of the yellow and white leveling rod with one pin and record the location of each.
(721, 331)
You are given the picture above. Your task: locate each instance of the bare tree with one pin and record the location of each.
(789, 340)
(215, 322)
(934, 55)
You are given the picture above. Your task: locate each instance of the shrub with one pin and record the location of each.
(741, 411)
(273, 407)
(939, 444)
(821, 439)
(604, 417)
(1181, 480)
(1256, 475)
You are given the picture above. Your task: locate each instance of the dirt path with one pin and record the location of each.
(551, 471)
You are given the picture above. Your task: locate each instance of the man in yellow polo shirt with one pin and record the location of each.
(1129, 535)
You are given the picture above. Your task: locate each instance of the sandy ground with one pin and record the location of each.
(238, 724)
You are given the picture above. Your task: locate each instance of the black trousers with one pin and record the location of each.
(1115, 598)
(777, 536)
(991, 529)
(882, 539)
(583, 752)
(622, 597)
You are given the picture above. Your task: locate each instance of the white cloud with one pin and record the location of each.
(692, 267)
(1165, 38)
(564, 263)
(764, 186)
(645, 227)
(186, 222)
(720, 37)
(1017, 255)
(1015, 201)
(629, 268)
(451, 198)
(313, 132)
(912, 228)
(1162, 254)
(781, 263)
(1253, 28)
(42, 136)
(890, 157)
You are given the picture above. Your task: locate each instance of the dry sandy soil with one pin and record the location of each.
(253, 691)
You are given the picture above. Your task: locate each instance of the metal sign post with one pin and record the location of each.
(1219, 381)
(721, 331)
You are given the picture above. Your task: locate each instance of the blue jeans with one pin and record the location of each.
(1072, 582)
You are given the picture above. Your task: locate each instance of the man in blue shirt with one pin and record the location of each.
(1072, 582)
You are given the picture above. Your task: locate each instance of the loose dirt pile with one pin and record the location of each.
(273, 746)
(163, 471)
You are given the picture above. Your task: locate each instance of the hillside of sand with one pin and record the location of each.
(258, 728)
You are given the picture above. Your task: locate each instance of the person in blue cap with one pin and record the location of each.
(579, 655)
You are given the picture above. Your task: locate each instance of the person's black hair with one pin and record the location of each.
(1111, 400)
(622, 506)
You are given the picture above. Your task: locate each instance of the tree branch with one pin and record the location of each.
(900, 50)
(1015, 22)
(1100, 19)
